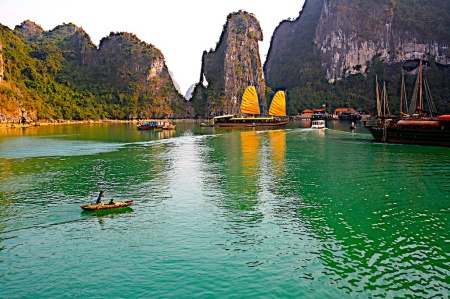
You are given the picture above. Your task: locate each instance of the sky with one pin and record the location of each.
(180, 29)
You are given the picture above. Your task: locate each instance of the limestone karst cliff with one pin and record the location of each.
(61, 74)
(328, 55)
(348, 34)
(291, 48)
(232, 66)
(334, 39)
(351, 32)
(1, 61)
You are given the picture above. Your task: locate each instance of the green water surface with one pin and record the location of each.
(222, 213)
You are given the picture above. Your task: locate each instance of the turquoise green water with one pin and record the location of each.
(222, 213)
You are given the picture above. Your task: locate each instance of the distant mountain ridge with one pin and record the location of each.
(123, 78)
(329, 56)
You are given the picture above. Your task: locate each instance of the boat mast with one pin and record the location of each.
(384, 99)
(401, 92)
(420, 87)
(377, 90)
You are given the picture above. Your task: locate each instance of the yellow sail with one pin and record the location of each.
(250, 104)
(278, 105)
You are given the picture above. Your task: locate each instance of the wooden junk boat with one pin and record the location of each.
(250, 106)
(107, 206)
(414, 127)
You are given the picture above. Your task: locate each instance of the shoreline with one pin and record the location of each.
(15, 125)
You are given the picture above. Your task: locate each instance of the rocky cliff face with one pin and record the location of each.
(132, 65)
(29, 31)
(232, 66)
(1, 61)
(122, 57)
(351, 32)
(348, 34)
(123, 72)
(291, 49)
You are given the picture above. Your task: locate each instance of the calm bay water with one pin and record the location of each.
(222, 213)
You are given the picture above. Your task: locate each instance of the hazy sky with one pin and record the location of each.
(181, 30)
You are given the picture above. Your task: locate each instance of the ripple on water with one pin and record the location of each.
(229, 215)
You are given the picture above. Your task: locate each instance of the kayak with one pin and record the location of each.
(107, 206)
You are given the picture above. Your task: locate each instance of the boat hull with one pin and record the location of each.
(421, 135)
(150, 126)
(318, 124)
(249, 122)
(252, 124)
(117, 205)
(147, 128)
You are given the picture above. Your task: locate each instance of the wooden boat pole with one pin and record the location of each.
(420, 87)
(378, 96)
(401, 93)
(384, 98)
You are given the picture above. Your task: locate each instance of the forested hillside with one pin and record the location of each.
(332, 52)
(329, 55)
(60, 74)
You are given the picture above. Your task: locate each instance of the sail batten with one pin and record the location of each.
(250, 103)
(278, 105)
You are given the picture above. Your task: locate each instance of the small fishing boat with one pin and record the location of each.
(107, 206)
(209, 124)
(168, 126)
(318, 120)
(318, 124)
(150, 125)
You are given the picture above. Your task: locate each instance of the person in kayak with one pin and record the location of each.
(100, 198)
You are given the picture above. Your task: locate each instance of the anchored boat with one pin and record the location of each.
(150, 125)
(250, 106)
(418, 126)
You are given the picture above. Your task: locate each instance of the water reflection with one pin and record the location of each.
(241, 170)
(249, 158)
(305, 212)
(278, 146)
(158, 134)
(111, 213)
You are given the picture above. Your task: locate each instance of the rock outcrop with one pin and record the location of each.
(291, 49)
(124, 76)
(1, 61)
(126, 62)
(175, 83)
(345, 35)
(231, 67)
(29, 30)
(351, 32)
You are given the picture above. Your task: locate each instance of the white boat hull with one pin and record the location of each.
(318, 124)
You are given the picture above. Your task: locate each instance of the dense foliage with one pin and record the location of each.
(297, 66)
(358, 91)
(426, 18)
(60, 74)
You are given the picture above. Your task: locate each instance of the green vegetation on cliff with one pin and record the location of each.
(231, 68)
(296, 64)
(60, 74)
(358, 91)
